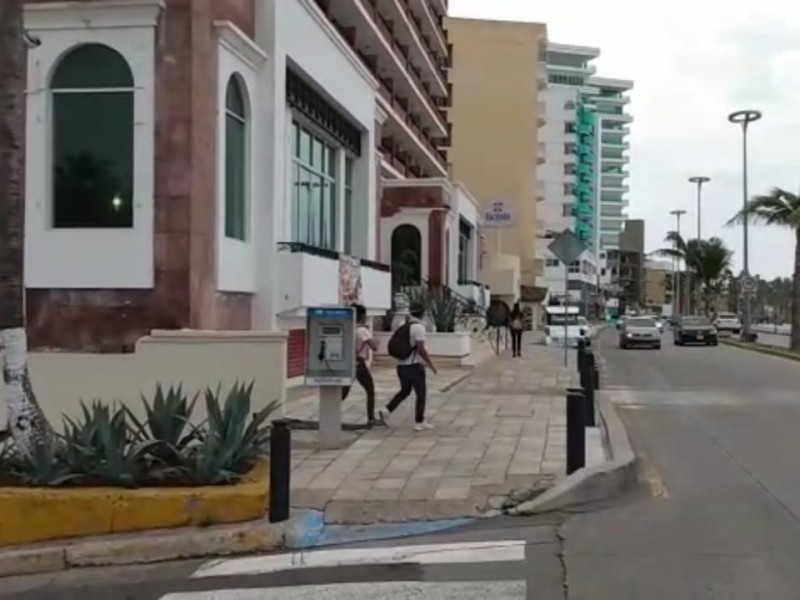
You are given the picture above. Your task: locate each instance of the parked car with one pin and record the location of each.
(728, 323)
(641, 332)
(695, 329)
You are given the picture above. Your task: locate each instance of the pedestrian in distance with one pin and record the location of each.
(516, 323)
(365, 346)
(407, 347)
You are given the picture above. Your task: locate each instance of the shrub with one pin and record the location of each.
(109, 446)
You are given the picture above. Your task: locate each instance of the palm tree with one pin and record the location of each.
(780, 208)
(682, 250)
(27, 423)
(712, 264)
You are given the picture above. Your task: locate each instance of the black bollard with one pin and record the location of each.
(280, 468)
(596, 376)
(587, 383)
(576, 430)
(581, 353)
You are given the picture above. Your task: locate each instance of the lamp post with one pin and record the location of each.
(676, 280)
(699, 181)
(744, 118)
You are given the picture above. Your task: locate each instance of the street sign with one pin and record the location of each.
(566, 247)
(749, 285)
(498, 215)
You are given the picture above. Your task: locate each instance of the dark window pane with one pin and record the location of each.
(93, 159)
(235, 177)
(92, 66)
(234, 100)
(316, 155)
(304, 147)
(348, 221)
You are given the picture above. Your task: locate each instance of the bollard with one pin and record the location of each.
(576, 430)
(280, 467)
(581, 353)
(587, 383)
(596, 376)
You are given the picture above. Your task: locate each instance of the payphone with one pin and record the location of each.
(330, 364)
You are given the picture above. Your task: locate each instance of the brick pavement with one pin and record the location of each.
(502, 428)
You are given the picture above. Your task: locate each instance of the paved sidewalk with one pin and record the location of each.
(501, 429)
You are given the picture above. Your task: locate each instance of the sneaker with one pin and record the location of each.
(384, 416)
(424, 426)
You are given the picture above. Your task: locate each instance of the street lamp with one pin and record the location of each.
(676, 280)
(699, 181)
(744, 118)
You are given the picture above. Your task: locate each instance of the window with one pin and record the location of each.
(569, 189)
(551, 262)
(235, 161)
(569, 149)
(348, 205)
(569, 127)
(464, 235)
(566, 210)
(569, 169)
(569, 105)
(575, 266)
(92, 139)
(314, 185)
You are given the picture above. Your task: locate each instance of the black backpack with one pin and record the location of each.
(399, 346)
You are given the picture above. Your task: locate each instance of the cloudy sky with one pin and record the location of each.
(693, 62)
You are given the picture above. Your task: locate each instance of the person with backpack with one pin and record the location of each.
(407, 346)
(516, 323)
(365, 346)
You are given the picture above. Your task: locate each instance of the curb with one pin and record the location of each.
(592, 484)
(762, 349)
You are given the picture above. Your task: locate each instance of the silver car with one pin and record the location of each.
(640, 332)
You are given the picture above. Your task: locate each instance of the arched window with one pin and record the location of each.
(92, 139)
(406, 256)
(235, 160)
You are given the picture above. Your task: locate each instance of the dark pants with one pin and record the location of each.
(412, 377)
(364, 377)
(516, 342)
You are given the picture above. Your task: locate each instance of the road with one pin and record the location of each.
(717, 516)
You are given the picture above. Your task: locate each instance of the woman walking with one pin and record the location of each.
(516, 323)
(365, 346)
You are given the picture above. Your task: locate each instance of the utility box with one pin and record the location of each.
(330, 346)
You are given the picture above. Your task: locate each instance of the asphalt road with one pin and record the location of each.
(717, 515)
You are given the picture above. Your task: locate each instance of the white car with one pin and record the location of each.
(728, 323)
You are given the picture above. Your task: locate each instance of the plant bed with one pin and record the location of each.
(110, 472)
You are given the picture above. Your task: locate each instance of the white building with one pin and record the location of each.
(568, 173)
(226, 179)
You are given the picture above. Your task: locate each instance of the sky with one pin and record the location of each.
(693, 63)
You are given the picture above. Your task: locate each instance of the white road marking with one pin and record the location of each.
(500, 590)
(432, 554)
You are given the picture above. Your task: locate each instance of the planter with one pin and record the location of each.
(455, 348)
(37, 514)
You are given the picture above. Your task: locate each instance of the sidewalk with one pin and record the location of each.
(503, 428)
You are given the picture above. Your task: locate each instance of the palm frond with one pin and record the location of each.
(779, 207)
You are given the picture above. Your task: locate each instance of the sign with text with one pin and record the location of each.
(497, 215)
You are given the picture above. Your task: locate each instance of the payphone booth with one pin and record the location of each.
(330, 365)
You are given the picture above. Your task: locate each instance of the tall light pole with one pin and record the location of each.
(744, 118)
(699, 181)
(676, 279)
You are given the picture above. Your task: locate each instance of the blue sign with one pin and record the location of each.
(331, 313)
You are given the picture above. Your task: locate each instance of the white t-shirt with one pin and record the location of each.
(363, 335)
(416, 334)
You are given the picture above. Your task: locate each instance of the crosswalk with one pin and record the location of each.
(319, 574)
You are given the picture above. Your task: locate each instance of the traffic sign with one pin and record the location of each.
(497, 215)
(566, 247)
(749, 285)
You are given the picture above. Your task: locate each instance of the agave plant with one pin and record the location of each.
(46, 467)
(229, 443)
(168, 422)
(443, 310)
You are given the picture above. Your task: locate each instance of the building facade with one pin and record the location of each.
(205, 165)
(658, 286)
(626, 267)
(497, 77)
(569, 172)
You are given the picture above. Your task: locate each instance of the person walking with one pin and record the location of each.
(516, 323)
(365, 346)
(407, 346)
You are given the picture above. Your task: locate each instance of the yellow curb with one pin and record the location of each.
(38, 514)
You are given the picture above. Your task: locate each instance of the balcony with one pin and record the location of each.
(614, 187)
(424, 161)
(309, 276)
(474, 291)
(411, 34)
(432, 27)
(373, 37)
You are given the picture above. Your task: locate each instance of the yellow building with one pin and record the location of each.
(495, 113)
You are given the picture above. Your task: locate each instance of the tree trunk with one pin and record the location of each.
(795, 341)
(26, 421)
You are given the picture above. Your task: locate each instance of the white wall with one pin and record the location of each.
(296, 33)
(238, 56)
(89, 258)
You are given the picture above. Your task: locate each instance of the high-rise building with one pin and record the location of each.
(569, 172)
(496, 114)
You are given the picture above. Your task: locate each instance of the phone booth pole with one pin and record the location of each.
(330, 365)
